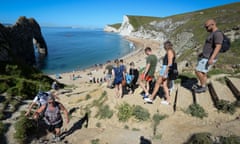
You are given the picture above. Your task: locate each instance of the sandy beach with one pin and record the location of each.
(137, 56)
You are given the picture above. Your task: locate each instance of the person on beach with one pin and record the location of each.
(148, 74)
(209, 55)
(40, 99)
(118, 73)
(168, 60)
(52, 116)
(132, 78)
(108, 74)
(55, 86)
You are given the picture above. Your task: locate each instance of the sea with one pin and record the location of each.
(71, 49)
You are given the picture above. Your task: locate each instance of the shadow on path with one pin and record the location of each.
(144, 140)
(77, 125)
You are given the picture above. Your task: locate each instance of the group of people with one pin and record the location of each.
(116, 74)
(119, 78)
(49, 112)
(49, 109)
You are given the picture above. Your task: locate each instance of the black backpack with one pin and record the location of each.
(226, 44)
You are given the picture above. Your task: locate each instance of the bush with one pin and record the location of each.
(230, 140)
(124, 112)
(27, 88)
(24, 128)
(104, 112)
(12, 70)
(2, 131)
(225, 106)
(200, 138)
(140, 113)
(3, 87)
(197, 111)
(13, 91)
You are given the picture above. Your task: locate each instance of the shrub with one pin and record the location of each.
(87, 97)
(13, 91)
(225, 106)
(95, 141)
(2, 116)
(200, 138)
(140, 113)
(156, 120)
(230, 140)
(27, 88)
(124, 112)
(104, 112)
(197, 111)
(3, 87)
(2, 131)
(24, 128)
(13, 70)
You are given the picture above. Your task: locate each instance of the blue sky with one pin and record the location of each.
(96, 13)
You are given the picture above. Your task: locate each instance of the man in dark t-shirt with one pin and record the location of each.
(148, 74)
(209, 54)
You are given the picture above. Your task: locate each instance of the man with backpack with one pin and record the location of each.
(52, 117)
(209, 55)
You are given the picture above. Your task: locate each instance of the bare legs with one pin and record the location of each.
(202, 78)
(144, 87)
(118, 90)
(158, 83)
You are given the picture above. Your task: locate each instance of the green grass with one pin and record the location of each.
(197, 111)
(116, 26)
(104, 112)
(124, 112)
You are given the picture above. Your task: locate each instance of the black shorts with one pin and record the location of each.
(51, 128)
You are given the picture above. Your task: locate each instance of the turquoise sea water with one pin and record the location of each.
(74, 48)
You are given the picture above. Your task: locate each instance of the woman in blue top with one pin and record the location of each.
(118, 74)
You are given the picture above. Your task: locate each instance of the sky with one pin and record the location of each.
(97, 13)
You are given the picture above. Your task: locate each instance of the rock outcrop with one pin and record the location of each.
(110, 29)
(17, 41)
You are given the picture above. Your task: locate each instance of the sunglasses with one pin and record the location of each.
(207, 26)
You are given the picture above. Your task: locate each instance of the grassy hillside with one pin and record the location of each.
(226, 16)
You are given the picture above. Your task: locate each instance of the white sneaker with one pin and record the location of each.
(164, 102)
(148, 100)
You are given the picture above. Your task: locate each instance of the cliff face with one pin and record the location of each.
(110, 29)
(17, 41)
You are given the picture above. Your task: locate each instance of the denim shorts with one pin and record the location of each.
(203, 66)
(162, 71)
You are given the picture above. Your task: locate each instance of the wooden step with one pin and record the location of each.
(184, 98)
(234, 86)
(223, 92)
(235, 81)
(205, 100)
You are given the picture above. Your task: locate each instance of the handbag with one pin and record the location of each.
(173, 72)
(129, 78)
(124, 82)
